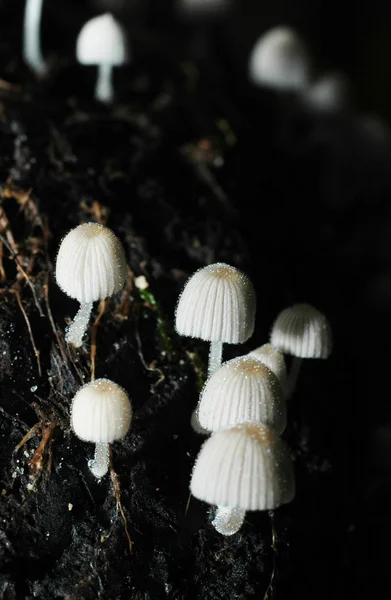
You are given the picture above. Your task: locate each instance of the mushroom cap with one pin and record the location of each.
(102, 40)
(328, 94)
(279, 60)
(217, 304)
(242, 389)
(303, 331)
(91, 263)
(272, 358)
(101, 412)
(246, 467)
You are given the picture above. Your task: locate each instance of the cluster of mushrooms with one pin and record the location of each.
(279, 59)
(244, 465)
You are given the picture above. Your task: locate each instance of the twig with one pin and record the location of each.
(187, 504)
(36, 351)
(270, 588)
(3, 277)
(117, 491)
(35, 461)
(27, 437)
(23, 272)
(51, 320)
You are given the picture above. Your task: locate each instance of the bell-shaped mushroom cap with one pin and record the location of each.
(279, 60)
(303, 331)
(246, 467)
(272, 358)
(328, 94)
(101, 412)
(243, 389)
(217, 304)
(102, 40)
(91, 263)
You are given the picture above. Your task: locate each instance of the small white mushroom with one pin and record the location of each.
(304, 332)
(242, 469)
(101, 413)
(279, 60)
(243, 389)
(272, 358)
(31, 37)
(90, 266)
(217, 305)
(102, 42)
(328, 94)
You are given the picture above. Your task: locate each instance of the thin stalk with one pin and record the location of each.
(31, 37)
(293, 376)
(104, 85)
(215, 357)
(228, 520)
(79, 325)
(100, 465)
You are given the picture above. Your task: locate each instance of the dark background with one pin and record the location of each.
(299, 201)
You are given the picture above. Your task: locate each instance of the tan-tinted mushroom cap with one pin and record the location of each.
(91, 263)
(217, 304)
(243, 389)
(101, 412)
(245, 467)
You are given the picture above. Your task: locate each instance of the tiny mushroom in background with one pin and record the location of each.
(245, 468)
(101, 413)
(90, 266)
(31, 37)
(279, 60)
(272, 358)
(328, 94)
(217, 305)
(304, 332)
(102, 42)
(243, 389)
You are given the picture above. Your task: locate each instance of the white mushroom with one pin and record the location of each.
(90, 266)
(272, 358)
(31, 37)
(279, 60)
(243, 389)
(328, 94)
(242, 469)
(217, 305)
(304, 332)
(102, 41)
(101, 413)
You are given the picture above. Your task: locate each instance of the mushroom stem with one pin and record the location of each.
(293, 375)
(31, 36)
(104, 87)
(100, 465)
(79, 325)
(215, 357)
(228, 520)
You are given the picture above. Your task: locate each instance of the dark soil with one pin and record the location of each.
(191, 165)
